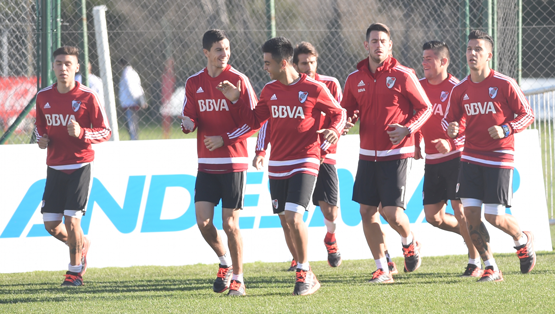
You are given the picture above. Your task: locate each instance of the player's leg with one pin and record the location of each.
(434, 192)
(474, 266)
(499, 196)
(437, 217)
(390, 263)
(288, 241)
(326, 196)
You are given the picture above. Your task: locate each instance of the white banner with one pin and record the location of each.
(141, 211)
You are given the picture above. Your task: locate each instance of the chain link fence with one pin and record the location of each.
(162, 41)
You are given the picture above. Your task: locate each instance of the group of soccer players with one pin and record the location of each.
(467, 128)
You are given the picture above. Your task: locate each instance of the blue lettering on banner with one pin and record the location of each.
(125, 218)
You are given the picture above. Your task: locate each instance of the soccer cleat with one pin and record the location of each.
(491, 275)
(334, 257)
(392, 268)
(224, 277)
(236, 288)
(380, 277)
(526, 254)
(412, 256)
(293, 266)
(72, 280)
(84, 252)
(472, 271)
(306, 283)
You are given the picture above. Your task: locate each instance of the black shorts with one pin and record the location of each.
(297, 189)
(66, 191)
(440, 181)
(327, 185)
(382, 182)
(488, 184)
(229, 187)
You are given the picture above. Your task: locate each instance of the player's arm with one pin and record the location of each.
(521, 108)
(338, 116)
(453, 115)
(417, 149)
(189, 110)
(100, 129)
(350, 104)
(420, 104)
(40, 126)
(254, 118)
(263, 139)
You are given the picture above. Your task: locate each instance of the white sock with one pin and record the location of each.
(237, 277)
(475, 262)
(491, 262)
(74, 269)
(304, 266)
(522, 240)
(382, 264)
(407, 240)
(331, 225)
(225, 260)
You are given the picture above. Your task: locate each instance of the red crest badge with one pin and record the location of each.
(493, 92)
(303, 96)
(390, 81)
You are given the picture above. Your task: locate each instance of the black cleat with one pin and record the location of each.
(306, 283)
(72, 280)
(412, 256)
(526, 254)
(472, 271)
(223, 279)
(293, 266)
(334, 257)
(491, 275)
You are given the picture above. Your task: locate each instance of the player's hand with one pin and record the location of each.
(258, 162)
(417, 152)
(496, 132)
(350, 123)
(43, 141)
(328, 135)
(453, 129)
(187, 123)
(229, 90)
(398, 134)
(213, 142)
(144, 105)
(442, 145)
(73, 128)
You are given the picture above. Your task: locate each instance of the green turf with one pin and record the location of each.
(435, 288)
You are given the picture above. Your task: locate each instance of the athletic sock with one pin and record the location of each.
(237, 277)
(225, 260)
(522, 240)
(330, 237)
(475, 262)
(387, 257)
(74, 269)
(491, 262)
(331, 225)
(305, 266)
(408, 240)
(381, 263)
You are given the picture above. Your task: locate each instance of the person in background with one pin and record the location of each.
(131, 97)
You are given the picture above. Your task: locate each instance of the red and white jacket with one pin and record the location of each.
(328, 150)
(391, 95)
(211, 113)
(494, 101)
(432, 129)
(55, 111)
(294, 112)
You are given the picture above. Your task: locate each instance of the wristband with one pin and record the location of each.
(506, 130)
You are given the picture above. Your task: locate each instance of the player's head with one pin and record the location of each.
(479, 50)
(378, 42)
(66, 63)
(305, 59)
(278, 54)
(215, 46)
(435, 58)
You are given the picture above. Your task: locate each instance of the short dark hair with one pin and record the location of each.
(377, 27)
(439, 48)
(304, 48)
(66, 50)
(478, 34)
(280, 48)
(212, 36)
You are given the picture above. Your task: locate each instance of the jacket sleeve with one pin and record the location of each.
(263, 139)
(348, 100)
(256, 117)
(520, 106)
(420, 103)
(244, 131)
(40, 122)
(326, 102)
(454, 113)
(189, 106)
(100, 130)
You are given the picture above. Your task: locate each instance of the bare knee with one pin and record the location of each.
(230, 226)
(494, 219)
(368, 212)
(204, 224)
(433, 220)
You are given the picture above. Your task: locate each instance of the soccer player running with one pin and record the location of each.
(305, 60)
(222, 156)
(495, 109)
(69, 119)
(443, 154)
(293, 102)
(392, 107)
